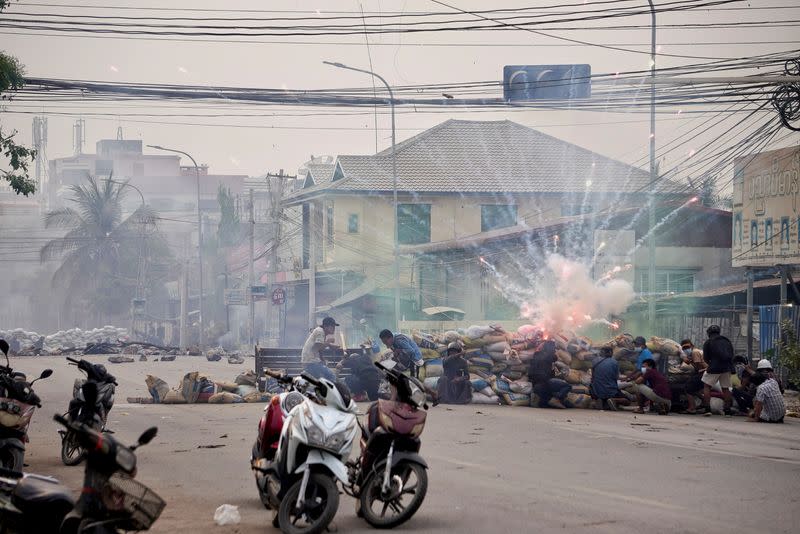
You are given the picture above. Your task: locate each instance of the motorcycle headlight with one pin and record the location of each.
(418, 397)
(315, 436)
(125, 459)
(292, 400)
(336, 441)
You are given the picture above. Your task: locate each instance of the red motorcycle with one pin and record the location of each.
(390, 478)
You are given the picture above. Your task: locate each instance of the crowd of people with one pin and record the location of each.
(713, 371)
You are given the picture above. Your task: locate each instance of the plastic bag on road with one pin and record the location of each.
(227, 514)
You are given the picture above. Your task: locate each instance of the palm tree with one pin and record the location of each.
(101, 251)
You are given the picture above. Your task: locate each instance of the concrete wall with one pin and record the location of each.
(713, 264)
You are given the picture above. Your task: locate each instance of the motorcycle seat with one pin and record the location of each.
(42, 496)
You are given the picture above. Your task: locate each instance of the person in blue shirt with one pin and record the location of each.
(640, 345)
(406, 352)
(605, 373)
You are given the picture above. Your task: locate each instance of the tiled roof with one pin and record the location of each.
(490, 157)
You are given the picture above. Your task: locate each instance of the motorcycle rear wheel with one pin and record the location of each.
(321, 503)
(414, 480)
(71, 452)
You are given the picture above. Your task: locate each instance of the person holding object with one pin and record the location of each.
(718, 354)
(653, 386)
(318, 340)
(406, 352)
(454, 386)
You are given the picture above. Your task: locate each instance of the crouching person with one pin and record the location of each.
(454, 386)
(653, 386)
(769, 406)
(551, 391)
(605, 376)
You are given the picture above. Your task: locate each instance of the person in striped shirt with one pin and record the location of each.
(768, 402)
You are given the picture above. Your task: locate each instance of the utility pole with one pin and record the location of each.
(312, 264)
(651, 277)
(251, 272)
(749, 315)
(274, 214)
(184, 289)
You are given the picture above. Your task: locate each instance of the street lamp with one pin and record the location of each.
(142, 259)
(199, 230)
(396, 263)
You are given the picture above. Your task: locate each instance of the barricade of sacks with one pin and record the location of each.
(498, 360)
(197, 389)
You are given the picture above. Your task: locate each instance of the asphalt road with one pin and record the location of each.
(492, 468)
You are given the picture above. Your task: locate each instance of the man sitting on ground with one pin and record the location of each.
(653, 386)
(769, 406)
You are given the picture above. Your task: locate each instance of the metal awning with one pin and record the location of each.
(356, 293)
(436, 310)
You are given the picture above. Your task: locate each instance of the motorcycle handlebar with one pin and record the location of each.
(310, 379)
(73, 360)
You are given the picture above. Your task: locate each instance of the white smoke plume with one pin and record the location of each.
(565, 297)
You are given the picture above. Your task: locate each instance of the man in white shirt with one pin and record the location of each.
(317, 341)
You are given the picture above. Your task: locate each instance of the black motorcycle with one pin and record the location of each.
(111, 500)
(94, 414)
(17, 404)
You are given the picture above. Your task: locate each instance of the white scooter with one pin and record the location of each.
(315, 443)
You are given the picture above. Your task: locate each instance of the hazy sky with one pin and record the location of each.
(255, 145)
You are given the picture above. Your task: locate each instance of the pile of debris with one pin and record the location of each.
(498, 360)
(26, 343)
(195, 388)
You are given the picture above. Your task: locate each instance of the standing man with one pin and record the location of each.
(718, 354)
(317, 341)
(406, 352)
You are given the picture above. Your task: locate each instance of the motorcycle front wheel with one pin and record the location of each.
(319, 507)
(408, 484)
(71, 451)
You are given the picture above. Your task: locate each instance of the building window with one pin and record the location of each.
(413, 224)
(352, 223)
(495, 216)
(569, 210)
(104, 167)
(329, 225)
(668, 281)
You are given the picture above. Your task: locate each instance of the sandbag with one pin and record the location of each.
(190, 386)
(479, 383)
(479, 398)
(623, 341)
(665, 346)
(173, 397)
(432, 382)
(120, 359)
(430, 354)
(475, 331)
(225, 397)
(499, 368)
(158, 388)
(424, 341)
(257, 396)
(500, 385)
(515, 399)
(422, 373)
(564, 356)
(245, 390)
(581, 365)
(488, 391)
(626, 366)
(500, 347)
(585, 355)
(521, 386)
(580, 400)
(497, 356)
(578, 377)
(247, 378)
(511, 375)
(227, 386)
(580, 389)
(452, 335)
(482, 361)
(623, 353)
(525, 355)
(433, 368)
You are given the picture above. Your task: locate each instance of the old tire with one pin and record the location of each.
(403, 503)
(71, 452)
(321, 503)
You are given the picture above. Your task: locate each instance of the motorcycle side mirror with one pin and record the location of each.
(47, 373)
(4, 346)
(147, 436)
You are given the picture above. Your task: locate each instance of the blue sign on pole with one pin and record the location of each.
(546, 82)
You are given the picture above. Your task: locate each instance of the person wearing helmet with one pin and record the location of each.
(454, 386)
(764, 367)
(718, 354)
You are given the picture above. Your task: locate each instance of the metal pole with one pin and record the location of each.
(184, 289)
(749, 316)
(199, 235)
(651, 277)
(396, 262)
(251, 275)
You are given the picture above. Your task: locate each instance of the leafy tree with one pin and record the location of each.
(100, 252)
(790, 352)
(18, 156)
(229, 231)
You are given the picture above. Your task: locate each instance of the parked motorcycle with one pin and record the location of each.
(18, 401)
(92, 414)
(316, 438)
(111, 501)
(390, 478)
